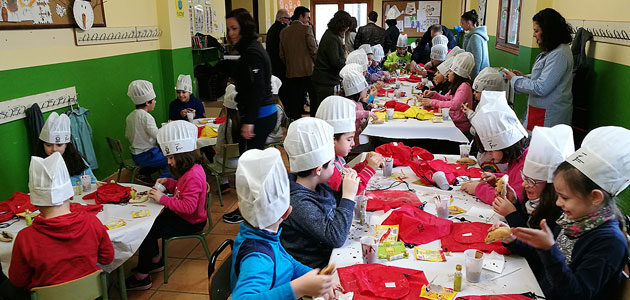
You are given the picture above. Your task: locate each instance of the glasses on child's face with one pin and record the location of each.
(530, 182)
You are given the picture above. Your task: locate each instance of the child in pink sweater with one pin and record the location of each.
(184, 212)
(460, 92)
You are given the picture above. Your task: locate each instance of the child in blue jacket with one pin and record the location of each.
(261, 268)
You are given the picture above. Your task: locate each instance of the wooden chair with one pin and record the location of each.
(88, 287)
(117, 151)
(201, 236)
(218, 170)
(219, 285)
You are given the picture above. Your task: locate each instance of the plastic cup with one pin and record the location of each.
(390, 114)
(359, 208)
(190, 116)
(368, 247)
(160, 187)
(440, 179)
(388, 166)
(441, 207)
(445, 113)
(86, 182)
(464, 150)
(473, 265)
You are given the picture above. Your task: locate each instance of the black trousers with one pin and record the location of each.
(322, 92)
(294, 96)
(167, 224)
(262, 128)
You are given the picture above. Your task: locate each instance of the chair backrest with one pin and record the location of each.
(117, 149)
(208, 216)
(228, 151)
(87, 287)
(219, 284)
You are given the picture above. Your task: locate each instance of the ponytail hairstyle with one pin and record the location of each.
(546, 209)
(583, 186)
(184, 162)
(71, 156)
(471, 16)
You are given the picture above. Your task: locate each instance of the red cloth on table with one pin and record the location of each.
(418, 226)
(495, 297)
(110, 193)
(456, 242)
(412, 78)
(90, 209)
(397, 150)
(425, 169)
(422, 153)
(397, 106)
(199, 129)
(367, 282)
(219, 120)
(386, 200)
(17, 203)
(464, 170)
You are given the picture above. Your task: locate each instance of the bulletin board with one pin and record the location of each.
(416, 16)
(40, 14)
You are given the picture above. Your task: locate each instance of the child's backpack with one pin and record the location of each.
(249, 246)
(110, 193)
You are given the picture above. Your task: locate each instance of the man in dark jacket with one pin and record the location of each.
(422, 52)
(273, 43)
(370, 33)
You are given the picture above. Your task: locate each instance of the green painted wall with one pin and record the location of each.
(102, 87)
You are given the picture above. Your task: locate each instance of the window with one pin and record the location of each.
(508, 25)
(323, 10)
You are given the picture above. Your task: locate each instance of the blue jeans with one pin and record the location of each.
(153, 159)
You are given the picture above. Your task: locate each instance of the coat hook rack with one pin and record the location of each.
(604, 31)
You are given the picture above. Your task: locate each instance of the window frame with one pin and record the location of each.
(340, 4)
(502, 44)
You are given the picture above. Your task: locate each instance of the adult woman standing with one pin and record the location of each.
(476, 41)
(550, 101)
(252, 78)
(330, 58)
(349, 36)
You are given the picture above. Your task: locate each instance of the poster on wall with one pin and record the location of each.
(289, 5)
(482, 12)
(199, 19)
(179, 8)
(428, 14)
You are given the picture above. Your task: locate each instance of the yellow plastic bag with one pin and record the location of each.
(399, 115)
(412, 112)
(424, 115)
(381, 115)
(208, 132)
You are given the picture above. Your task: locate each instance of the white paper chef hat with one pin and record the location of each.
(230, 96)
(402, 41)
(339, 112)
(445, 65)
(463, 64)
(393, 13)
(439, 39)
(497, 126)
(276, 83)
(49, 180)
(378, 52)
(367, 49)
(140, 91)
(56, 130)
(358, 57)
(548, 148)
(262, 186)
(309, 144)
(177, 137)
(438, 52)
(184, 83)
(454, 52)
(353, 82)
(350, 68)
(492, 96)
(605, 158)
(489, 79)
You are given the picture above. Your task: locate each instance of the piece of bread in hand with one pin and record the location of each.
(501, 186)
(467, 161)
(378, 121)
(328, 270)
(497, 234)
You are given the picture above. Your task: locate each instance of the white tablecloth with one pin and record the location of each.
(441, 273)
(204, 142)
(126, 239)
(413, 128)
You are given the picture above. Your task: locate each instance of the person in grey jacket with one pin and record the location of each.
(370, 33)
(476, 41)
(550, 101)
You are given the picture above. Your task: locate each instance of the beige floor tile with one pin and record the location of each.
(213, 240)
(225, 228)
(166, 295)
(114, 294)
(181, 248)
(158, 278)
(190, 276)
(228, 200)
(216, 218)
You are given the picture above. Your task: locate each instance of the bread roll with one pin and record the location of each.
(497, 234)
(328, 270)
(466, 161)
(502, 186)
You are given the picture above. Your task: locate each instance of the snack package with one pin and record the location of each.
(115, 224)
(428, 255)
(437, 292)
(388, 250)
(455, 210)
(140, 213)
(386, 233)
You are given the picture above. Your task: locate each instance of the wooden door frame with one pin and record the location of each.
(340, 4)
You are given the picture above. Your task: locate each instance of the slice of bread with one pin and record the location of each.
(328, 270)
(466, 161)
(497, 234)
(502, 186)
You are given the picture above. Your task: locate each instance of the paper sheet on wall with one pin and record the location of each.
(199, 18)
(411, 8)
(41, 13)
(407, 22)
(192, 19)
(399, 24)
(428, 14)
(427, 22)
(207, 15)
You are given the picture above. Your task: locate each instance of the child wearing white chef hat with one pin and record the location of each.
(55, 137)
(587, 259)
(321, 217)
(184, 212)
(141, 132)
(186, 102)
(339, 112)
(356, 88)
(61, 245)
(263, 192)
(501, 135)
